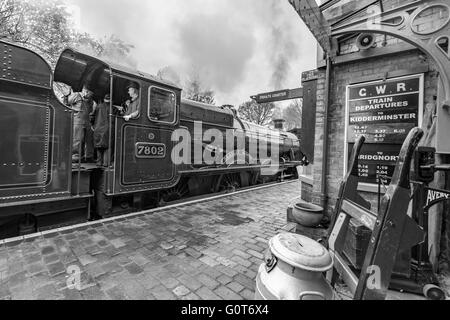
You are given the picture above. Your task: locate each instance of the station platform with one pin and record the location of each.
(207, 250)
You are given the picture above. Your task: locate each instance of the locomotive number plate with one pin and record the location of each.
(146, 150)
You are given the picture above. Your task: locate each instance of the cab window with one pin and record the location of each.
(126, 98)
(162, 105)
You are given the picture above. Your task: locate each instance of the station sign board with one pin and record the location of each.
(280, 95)
(384, 112)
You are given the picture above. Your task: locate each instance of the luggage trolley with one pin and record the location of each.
(392, 230)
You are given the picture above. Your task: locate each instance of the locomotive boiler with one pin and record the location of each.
(40, 187)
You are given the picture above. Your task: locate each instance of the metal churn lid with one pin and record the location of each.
(301, 252)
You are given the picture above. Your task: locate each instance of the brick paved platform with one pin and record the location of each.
(210, 250)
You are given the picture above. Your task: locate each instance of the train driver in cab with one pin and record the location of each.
(133, 105)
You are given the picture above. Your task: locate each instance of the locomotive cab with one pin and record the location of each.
(141, 144)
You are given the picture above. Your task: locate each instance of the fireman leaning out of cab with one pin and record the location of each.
(101, 124)
(131, 110)
(82, 103)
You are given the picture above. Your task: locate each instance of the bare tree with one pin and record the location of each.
(293, 115)
(169, 74)
(109, 48)
(195, 90)
(12, 21)
(39, 25)
(257, 113)
(44, 26)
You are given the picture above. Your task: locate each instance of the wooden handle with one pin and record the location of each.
(403, 167)
(353, 164)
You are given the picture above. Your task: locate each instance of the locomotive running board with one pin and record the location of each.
(239, 168)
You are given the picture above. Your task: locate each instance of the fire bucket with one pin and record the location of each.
(308, 214)
(294, 270)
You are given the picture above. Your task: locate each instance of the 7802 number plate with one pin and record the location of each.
(146, 150)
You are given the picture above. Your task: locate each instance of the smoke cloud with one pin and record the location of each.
(284, 46)
(218, 49)
(237, 47)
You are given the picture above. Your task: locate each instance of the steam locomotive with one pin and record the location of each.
(40, 187)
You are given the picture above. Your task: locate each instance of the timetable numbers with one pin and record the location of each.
(359, 130)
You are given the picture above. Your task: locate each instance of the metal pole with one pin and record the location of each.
(379, 194)
(79, 169)
(111, 118)
(325, 135)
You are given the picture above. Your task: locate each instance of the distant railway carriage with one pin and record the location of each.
(39, 185)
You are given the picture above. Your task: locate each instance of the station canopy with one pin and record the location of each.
(322, 17)
(338, 12)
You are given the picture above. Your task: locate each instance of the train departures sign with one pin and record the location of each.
(384, 112)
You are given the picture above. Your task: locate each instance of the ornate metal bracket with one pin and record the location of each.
(425, 24)
(406, 23)
(416, 24)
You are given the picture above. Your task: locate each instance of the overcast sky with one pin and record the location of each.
(239, 47)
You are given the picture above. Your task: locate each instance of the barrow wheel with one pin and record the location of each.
(433, 292)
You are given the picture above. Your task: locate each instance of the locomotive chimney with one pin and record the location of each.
(279, 124)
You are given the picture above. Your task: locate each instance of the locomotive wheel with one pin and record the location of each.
(254, 178)
(245, 178)
(176, 193)
(230, 183)
(266, 179)
(27, 225)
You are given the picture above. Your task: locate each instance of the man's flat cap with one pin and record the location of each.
(133, 85)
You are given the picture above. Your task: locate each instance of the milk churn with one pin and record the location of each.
(294, 270)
